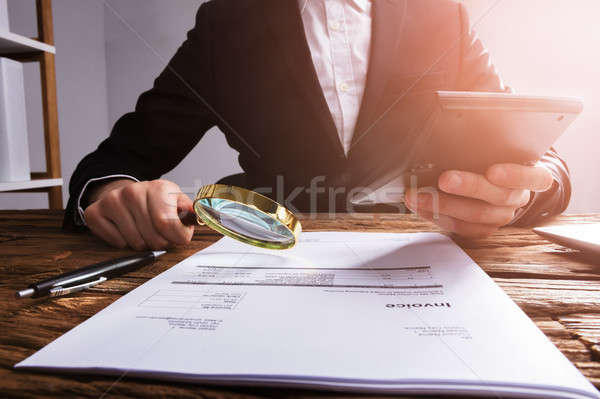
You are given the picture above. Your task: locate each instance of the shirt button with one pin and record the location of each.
(344, 87)
(335, 25)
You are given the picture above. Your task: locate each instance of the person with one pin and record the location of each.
(314, 95)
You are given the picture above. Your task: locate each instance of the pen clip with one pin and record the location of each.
(58, 291)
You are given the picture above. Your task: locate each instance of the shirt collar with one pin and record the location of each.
(362, 4)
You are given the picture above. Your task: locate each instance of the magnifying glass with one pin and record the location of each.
(246, 216)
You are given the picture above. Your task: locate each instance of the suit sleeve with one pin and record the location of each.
(167, 123)
(477, 73)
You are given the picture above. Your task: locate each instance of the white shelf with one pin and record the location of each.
(29, 184)
(11, 43)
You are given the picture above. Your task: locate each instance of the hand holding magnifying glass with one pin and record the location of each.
(147, 215)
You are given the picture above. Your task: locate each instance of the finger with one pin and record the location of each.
(120, 217)
(465, 209)
(188, 218)
(460, 227)
(185, 212)
(163, 207)
(103, 228)
(184, 204)
(135, 198)
(472, 185)
(520, 177)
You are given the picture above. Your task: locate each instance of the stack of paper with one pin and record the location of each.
(388, 313)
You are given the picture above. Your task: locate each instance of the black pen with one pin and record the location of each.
(88, 276)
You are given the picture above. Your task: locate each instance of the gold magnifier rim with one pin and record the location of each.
(253, 200)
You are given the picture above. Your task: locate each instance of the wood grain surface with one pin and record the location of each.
(558, 288)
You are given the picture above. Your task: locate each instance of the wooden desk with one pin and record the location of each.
(557, 288)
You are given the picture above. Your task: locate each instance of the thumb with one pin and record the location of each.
(185, 210)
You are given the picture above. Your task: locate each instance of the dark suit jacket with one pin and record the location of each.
(246, 67)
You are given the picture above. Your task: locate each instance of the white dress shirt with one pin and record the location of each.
(339, 37)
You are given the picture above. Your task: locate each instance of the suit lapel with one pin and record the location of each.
(284, 19)
(388, 22)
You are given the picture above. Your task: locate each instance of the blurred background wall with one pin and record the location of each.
(108, 53)
(81, 87)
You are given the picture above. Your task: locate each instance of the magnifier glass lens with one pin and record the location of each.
(246, 221)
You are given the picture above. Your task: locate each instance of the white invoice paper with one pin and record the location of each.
(370, 312)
